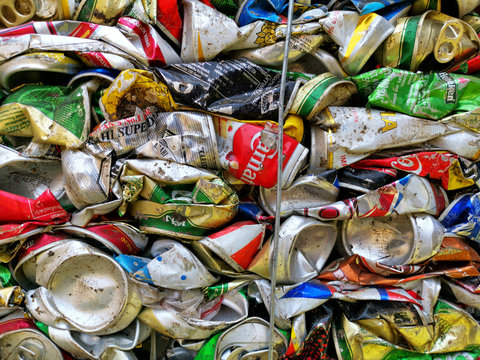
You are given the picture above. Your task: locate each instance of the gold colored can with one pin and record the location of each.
(432, 41)
(457, 8)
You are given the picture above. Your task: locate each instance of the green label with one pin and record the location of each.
(64, 106)
(6, 279)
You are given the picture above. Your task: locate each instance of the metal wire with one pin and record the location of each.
(273, 264)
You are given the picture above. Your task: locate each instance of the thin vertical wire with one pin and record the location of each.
(273, 272)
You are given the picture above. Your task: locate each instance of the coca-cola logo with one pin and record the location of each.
(410, 164)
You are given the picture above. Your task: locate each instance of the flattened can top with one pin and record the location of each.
(393, 240)
(20, 336)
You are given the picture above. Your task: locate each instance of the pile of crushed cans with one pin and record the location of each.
(139, 167)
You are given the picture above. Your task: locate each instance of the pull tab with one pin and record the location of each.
(448, 42)
(29, 349)
(16, 12)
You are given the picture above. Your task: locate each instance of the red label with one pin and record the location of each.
(150, 46)
(37, 242)
(96, 59)
(16, 208)
(16, 324)
(244, 256)
(8, 231)
(19, 30)
(169, 16)
(84, 30)
(433, 164)
(117, 237)
(257, 164)
(230, 228)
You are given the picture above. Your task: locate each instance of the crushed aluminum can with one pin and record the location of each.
(157, 51)
(304, 245)
(93, 347)
(249, 152)
(232, 308)
(198, 42)
(189, 139)
(318, 62)
(248, 340)
(100, 12)
(206, 204)
(436, 95)
(82, 289)
(456, 8)
(29, 177)
(320, 92)
(215, 86)
(21, 339)
(417, 38)
(293, 300)
(462, 142)
(298, 334)
(461, 217)
(92, 43)
(64, 120)
(364, 179)
(272, 55)
(462, 295)
(434, 165)
(24, 264)
(216, 264)
(236, 244)
(173, 267)
(45, 67)
(125, 135)
(353, 341)
(358, 36)
(27, 217)
(117, 103)
(344, 135)
(87, 177)
(316, 338)
(118, 237)
(361, 271)
(394, 240)
(305, 191)
(410, 194)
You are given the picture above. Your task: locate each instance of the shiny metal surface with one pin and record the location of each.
(393, 240)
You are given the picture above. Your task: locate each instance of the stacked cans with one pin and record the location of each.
(139, 174)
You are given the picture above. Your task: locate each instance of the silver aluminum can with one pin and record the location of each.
(21, 339)
(87, 177)
(83, 289)
(393, 240)
(304, 245)
(462, 295)
(464, 143)
(24, 266)
(318, 62)
(306, 191)
(85, 346)
(29, 177)
(344, 135)
(251, 339)
(169, 322)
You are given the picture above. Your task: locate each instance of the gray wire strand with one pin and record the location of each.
(273, 264)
